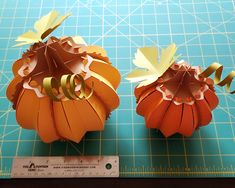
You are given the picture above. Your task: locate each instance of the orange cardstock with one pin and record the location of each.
(64, 119)
(179, 101)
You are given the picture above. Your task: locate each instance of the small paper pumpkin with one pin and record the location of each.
(175, 98)
(63, 118)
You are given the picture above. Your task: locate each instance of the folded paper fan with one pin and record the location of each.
(174, 97)
(63, 88)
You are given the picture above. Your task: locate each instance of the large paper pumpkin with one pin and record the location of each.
(172, 96)
(63, 118)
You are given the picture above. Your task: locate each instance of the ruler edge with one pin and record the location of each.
(64, 177)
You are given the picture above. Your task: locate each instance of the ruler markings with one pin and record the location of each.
(65, 167)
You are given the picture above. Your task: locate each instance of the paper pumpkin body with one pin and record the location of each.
(65, 119)
(178, 102)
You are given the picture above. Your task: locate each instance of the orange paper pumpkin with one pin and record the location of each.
(63, 119)
(179, 101)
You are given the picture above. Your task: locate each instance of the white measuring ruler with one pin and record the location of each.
(65, 167)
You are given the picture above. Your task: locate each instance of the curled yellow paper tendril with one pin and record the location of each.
(51, 86)
(83, 87)
(68, 84)
(218, 69)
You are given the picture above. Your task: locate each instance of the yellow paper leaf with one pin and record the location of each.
(147, 82)
(28, 38)
(167, 58)
(147, 59)
(139, 75)
(43, 27)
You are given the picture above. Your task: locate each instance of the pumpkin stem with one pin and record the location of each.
(49, 61)
(55, 62)
(183, 84)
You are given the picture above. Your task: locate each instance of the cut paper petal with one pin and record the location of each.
(62, 123)
(172, 119)
(107, 94)
(27, 118)
(67, 118)
(211, 99)
(46, 129)
(101, 69)
(204, 112)
(154, 118)
(187, 120)
(148, 100)
(195, 117)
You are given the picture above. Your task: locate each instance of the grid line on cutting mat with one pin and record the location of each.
(204, 32)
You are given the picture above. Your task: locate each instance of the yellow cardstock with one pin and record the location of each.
(218, 69)
(146, 58)
(43, 27)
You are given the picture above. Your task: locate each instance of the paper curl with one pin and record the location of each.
(218, 69)
(68, 85)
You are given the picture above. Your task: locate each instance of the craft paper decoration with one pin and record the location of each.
(174, 97)
(62, 87)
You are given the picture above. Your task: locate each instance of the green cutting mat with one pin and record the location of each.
(204, 31)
